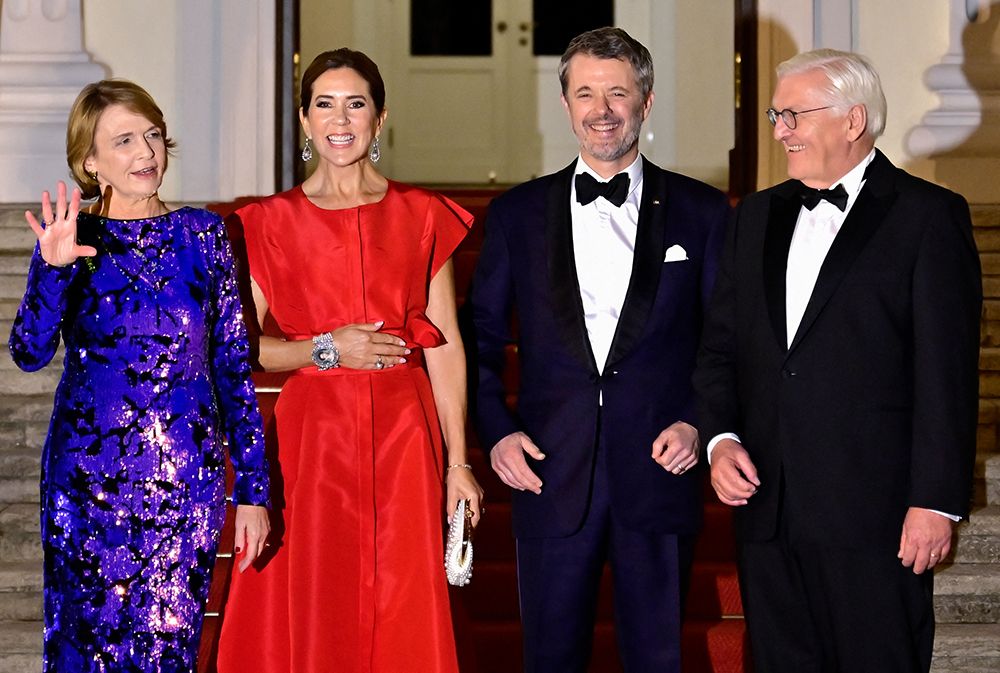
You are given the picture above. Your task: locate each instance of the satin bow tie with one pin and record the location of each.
(614, 190)
(811, 197)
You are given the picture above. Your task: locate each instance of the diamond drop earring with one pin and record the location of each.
(376, 152)
(307, 152)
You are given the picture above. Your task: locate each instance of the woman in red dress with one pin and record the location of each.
(355, 269)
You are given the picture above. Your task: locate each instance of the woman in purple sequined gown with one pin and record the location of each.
(155, 378)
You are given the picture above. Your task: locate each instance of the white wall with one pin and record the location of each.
(902, 42)
(210, 67)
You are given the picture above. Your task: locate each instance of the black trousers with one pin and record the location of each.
(820, 609)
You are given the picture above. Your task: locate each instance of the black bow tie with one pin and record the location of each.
(811, 197)
(589, 188)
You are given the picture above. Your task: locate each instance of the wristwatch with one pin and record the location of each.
(325, 354)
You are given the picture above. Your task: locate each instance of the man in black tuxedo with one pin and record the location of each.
(838, 384)
(608, 265)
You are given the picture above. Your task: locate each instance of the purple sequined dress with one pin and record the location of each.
(155, 377)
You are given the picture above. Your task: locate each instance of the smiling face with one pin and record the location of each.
(129, 154)
(342, 120)
(606, 111)
(824, 145)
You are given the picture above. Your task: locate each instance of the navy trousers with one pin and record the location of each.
(559, 581)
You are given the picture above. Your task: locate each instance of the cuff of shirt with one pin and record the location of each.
(715, 440)
(946, 515)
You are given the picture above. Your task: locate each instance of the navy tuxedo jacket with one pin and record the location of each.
(873, 406)
(526, 269)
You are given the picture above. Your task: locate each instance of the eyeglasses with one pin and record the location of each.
(788, 116)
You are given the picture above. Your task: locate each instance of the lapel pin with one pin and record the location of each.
(656, 202)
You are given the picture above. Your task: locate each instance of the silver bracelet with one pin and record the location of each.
(325, 354)
(465, 465)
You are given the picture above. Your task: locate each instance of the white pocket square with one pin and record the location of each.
(675, 253)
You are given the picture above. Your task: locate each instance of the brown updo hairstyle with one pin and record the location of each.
(87, 109)
(343, 58)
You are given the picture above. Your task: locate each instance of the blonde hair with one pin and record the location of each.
(87, 109)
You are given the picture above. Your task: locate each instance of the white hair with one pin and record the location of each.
(853, 81)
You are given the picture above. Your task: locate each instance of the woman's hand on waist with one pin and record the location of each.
(363, 346)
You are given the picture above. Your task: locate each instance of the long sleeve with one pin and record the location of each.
(34, 337)
(230, 370)
(492, 300)
(947, 303)
(715, 377)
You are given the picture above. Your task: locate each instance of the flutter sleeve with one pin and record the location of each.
(447, 225)
(34, 336)
(230, 369)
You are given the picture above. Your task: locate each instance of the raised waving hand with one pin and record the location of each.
(57, 231)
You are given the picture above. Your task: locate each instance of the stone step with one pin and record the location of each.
(21, 462)
(20, 517)
(12, 214)
(21, 606)
(13, 381)
(983, 214)
(26, 408)
(20, 577)
(19, 491)
(17, 239)
(978, 539)
(987, 479)
(12, 286)
(967, 594)
(21, 637)
(8, 309)
(20, 546)
(21, 662)
(966, 648)
(20, 591)
(15, 263)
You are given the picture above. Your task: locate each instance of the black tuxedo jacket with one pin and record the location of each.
(873, 406)
(527, 267)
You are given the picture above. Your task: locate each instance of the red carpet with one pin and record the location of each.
(486, 611)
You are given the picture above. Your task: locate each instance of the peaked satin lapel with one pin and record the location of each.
(647, 262)
(866, 216)
(785, 206)
(564, 284)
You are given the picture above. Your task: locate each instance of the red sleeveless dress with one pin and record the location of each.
(354, 581)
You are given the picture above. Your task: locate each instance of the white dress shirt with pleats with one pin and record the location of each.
(603, 248)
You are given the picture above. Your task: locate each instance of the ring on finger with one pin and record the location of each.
(379, 364)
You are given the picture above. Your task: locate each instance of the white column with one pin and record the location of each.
(43, 66)
(963, 134)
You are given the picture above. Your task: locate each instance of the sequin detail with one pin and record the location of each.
(155, 378)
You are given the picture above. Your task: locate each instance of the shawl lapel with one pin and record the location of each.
(564, 284)
(784, 212)
(647, 262)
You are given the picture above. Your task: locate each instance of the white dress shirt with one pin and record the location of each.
(603, 247)
(814, 233)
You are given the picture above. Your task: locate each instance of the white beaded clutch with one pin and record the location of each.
(458, 550)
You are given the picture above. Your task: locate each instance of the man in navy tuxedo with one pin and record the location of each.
(605, 268)
(838, 384)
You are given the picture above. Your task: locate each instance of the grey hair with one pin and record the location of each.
(852, 81)
(610, 43)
